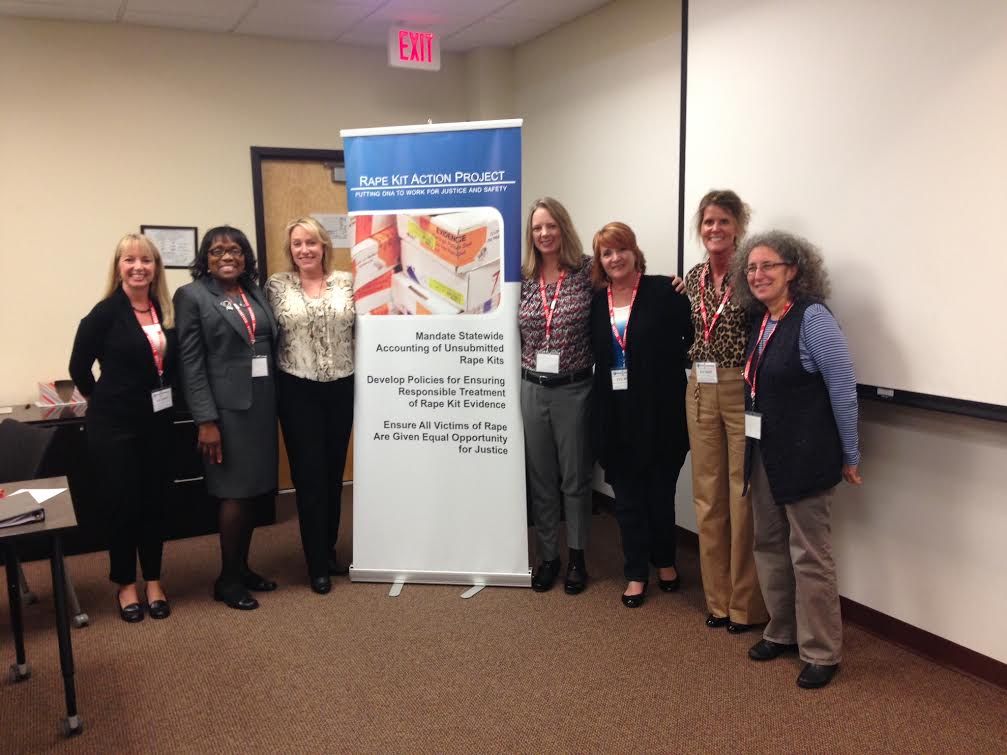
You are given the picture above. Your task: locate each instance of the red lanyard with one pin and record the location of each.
(621, 340)
(249, 326)
(546, 306)
(155, 342)
(751, 376)
(708, 328)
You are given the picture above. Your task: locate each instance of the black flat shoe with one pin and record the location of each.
(736, 628)
(669, 585)
(814, 676)
(576, 573)
(635, 601)
(715, 622)
(767, 650)
(321, 585)
(545, 575)
(235, 596)
(159, 609)
(257, 582)
(131, 613)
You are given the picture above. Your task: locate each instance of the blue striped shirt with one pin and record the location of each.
(824, 350)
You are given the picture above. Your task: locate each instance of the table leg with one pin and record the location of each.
(20, 670)
(73, 724)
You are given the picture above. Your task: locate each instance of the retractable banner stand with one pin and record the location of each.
(435, 228)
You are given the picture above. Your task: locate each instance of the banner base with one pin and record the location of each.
(416, 577)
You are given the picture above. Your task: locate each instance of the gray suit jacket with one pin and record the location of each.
(216, 358)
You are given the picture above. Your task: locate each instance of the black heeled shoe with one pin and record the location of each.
(635, 601)
(545, 575)
(715, 622)
(321, 585)
(159, 609)
(131, 613)
(257, 582)
(235, 596)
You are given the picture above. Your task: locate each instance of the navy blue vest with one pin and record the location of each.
(800, 443)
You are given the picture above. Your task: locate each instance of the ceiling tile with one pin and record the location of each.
(180, 21)
(199, 8)
(494, 33)
(554, 12)
(67, 10)
(304, 19)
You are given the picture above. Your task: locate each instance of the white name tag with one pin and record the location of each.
(161, 399)
(706, 372)
(620, 380)
(260, 367)
(547, 361)
(753, 425)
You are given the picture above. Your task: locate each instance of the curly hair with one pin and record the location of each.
(811, 282)
(571, 250)
(200, 266)
(614, 235)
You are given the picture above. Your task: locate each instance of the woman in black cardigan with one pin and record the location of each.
(130, 334)
(640, 333)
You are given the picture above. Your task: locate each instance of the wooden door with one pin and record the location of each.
(295, 183)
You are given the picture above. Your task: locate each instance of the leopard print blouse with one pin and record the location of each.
(729, 337)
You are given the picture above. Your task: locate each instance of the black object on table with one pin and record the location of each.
(59, 519)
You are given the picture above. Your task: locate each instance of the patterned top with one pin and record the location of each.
(316, 335)
(730, 335)
(571, 332)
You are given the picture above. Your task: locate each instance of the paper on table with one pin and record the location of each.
(41, 495)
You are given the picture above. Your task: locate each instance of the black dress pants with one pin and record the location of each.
(317, 419)
(132, 472)
(645, 511)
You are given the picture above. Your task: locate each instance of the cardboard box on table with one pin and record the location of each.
(464, 240)
(410, 298)
(473, 292)
(375, 259)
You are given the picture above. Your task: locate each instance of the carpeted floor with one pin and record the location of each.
(506, 671)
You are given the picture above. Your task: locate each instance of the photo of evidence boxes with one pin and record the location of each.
(443, 263)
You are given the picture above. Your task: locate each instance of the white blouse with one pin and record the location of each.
(316, 335)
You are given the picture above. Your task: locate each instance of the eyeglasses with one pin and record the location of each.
(765, 267)
(220, 251)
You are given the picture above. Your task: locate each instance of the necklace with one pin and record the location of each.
(142, 311)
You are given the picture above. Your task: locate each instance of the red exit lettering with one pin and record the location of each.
(416, 46)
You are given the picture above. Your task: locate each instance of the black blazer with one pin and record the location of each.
(111, 335)
(216, 358)
(635, 429)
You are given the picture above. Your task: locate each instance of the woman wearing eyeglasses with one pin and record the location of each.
(226, 332)
(715, 407)
(640, 334)
(801, 428)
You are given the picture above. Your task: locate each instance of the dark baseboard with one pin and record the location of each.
(914, 639)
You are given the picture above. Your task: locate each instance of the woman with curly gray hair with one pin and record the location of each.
(801, 430)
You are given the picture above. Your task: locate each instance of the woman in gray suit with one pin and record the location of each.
(226, 332)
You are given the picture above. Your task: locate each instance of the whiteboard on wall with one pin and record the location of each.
(877, 130)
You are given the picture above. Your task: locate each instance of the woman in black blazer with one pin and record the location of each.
(129, 333)
(226, 333)
(640, 333)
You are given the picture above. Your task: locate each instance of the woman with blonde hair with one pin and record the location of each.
(715, 409)
(314, 311)
(130, 334)
(556, 389)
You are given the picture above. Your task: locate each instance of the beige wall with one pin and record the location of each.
(106, 127)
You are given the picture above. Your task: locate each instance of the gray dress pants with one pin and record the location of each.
(558, 457)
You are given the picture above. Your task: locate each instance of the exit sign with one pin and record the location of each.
(408, 48)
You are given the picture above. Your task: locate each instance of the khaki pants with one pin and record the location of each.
(793, 550)
(716, 418)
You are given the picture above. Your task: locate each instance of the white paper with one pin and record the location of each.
(337, 225)
(260, 367)
(41, 495)
(547, 361)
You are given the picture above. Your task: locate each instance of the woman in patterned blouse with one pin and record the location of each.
(556, 389)
(314, 310)
(715, 411)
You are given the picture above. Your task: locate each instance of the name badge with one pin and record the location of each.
(620, 380)
(260, 367)
(753, 425)
(547, 361)
(161, 399)
(706, 372)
